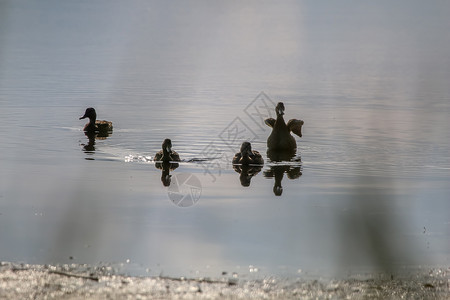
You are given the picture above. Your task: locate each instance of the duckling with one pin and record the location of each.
(281, 139)
(94, 125)
(248, 156)
(166, 154)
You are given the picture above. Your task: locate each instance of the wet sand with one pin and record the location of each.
(20, 281)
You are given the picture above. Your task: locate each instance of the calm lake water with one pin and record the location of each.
(368, 190)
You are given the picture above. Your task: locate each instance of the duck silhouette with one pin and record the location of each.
(247, 156)
(281, 140)
(103, 128)
(246, 173)
(166, 167)
(277, 172)
(90, 146)
(166, 154)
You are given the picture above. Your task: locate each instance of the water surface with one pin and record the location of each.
(369, 188)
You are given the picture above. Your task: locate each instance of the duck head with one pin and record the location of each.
(246, 149)
(279, 109)
(90, 113)
(167, 146)
(278, 190)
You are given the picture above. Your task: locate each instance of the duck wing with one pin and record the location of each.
(104, 125)
(175, 156)
(158, 156)
(295, 126)
(270, 122)
(237, 158)
(294, 173)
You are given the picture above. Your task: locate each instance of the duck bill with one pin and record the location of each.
(83, 117)
(280, 111)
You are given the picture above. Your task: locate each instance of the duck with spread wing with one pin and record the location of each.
(281, 139)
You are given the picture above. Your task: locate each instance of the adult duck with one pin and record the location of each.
(247, 156)
(166, 154)
(94, 125)
(281, 139)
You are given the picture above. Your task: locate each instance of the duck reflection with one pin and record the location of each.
(90, 146)
(277, 172)
(166, 167)
(292, 168)
(246, 173)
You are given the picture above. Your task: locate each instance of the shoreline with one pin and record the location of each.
(20, 281)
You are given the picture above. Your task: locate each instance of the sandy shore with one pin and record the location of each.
(19, 281)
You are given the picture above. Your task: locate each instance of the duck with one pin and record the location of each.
(247, 156)
(166, 154)
(94, 125)
(281, 139)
